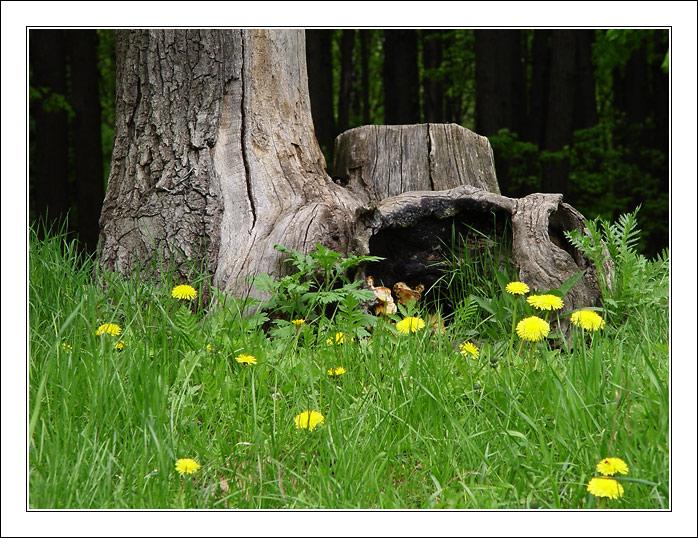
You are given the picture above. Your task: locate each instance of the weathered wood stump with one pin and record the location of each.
(423, 184)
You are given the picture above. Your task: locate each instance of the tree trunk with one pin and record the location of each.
(433, 88)
(86, 133)
(215, 160)
(534, 130)
(49, 173)
(319, 58)
(376, 162)
(561, 106)
(499, 81)
(401, 77)
(346, 80)
(585, 113)
(365, 40)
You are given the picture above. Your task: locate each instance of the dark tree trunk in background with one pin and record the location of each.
(499, 87)
(660, 131)
(631, 93)
(346, 77)
(401, 77)
(489, 112)
(319, 58)
(86, 133)
(453, 103)
(514, 80)
(539, 89)
(641, 93)
(365, 40)
(433, 88)
(50, 168)
(499, 81)
(660, 98)
(585, 113)
(633, 90)
(561, 105)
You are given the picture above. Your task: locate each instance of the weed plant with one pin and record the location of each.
(410, 423)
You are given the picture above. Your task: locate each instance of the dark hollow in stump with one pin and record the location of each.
(422, 185)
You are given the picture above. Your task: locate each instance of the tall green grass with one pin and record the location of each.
(411, 424)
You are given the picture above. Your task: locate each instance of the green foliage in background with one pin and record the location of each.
(604, 176)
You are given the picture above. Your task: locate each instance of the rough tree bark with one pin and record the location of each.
(215, 159)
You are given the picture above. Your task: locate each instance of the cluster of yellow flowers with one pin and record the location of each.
(605, 486)
(534, 328)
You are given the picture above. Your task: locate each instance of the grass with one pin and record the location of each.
(411, 424)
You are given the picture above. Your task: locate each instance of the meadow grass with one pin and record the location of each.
(411, 424)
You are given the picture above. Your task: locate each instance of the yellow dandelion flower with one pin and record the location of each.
(545, 302)
(611, 466)
(108, 328)
(298, 322)
(338, 339)
(209, 347)
(532, 328)
(410, 325)
(119, 346)
(517, 288)
(336, 371)
(308, 420)
(186, 465)
(587, 320)
(185, 291)
(245, 358)
(605, 487)
(469, 348)
(66, 347)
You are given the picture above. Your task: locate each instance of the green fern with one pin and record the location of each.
(320, 284)
(633, 281)
(465, 315)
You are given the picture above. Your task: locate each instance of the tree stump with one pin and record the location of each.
(379, 161)
(421, 184)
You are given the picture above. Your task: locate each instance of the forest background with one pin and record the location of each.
(583, 112)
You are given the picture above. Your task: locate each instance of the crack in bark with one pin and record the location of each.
(243, 135)
(429, 163)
